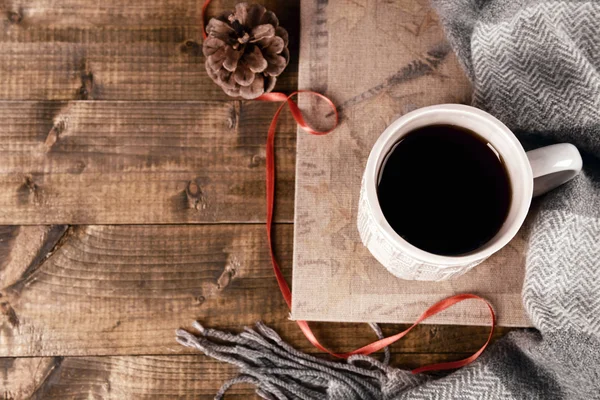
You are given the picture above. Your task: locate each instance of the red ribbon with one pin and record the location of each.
(284, 287)
(202, 14)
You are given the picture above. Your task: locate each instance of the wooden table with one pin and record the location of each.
(132, 203)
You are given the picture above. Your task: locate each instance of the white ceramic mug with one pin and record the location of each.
(531, 174)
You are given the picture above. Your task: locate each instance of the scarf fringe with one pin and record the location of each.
(280, 372)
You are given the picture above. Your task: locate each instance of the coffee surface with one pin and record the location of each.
(444, 190)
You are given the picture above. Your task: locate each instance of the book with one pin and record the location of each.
(377, 64)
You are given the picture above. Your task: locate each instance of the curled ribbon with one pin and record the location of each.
(284, 287)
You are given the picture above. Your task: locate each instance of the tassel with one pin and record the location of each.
(278, 371)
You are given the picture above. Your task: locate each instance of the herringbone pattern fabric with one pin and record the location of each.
(537, 70)
(562, 284)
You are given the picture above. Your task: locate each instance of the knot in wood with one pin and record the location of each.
(195, 197)
(256, 161)
(59, 126)
(232, 118)
(15, 17)
(191, 47)
(30, 184)
(193, 188)
(87, 85)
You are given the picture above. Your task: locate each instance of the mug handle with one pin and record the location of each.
(553, 165)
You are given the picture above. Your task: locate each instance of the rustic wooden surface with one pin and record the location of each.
(116, 162)
(115, 50)
(108, 118)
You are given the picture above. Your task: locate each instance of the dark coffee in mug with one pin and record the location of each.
(444, 189)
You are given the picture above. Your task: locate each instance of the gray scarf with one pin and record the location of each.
(534, 64)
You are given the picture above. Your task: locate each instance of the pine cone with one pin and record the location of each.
(246, 50)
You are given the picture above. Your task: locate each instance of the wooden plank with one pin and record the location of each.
(142, 377)
(78, 49)
(128, 162)
(21, 377)
(115, 378)
(109, 13)
(123, 290)
(88, 14)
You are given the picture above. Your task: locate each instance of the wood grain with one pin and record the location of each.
(25, 378)
(116, 13)
(122, 290)
(142, 377)
(86, 162)
(148, 377)
(150, 50)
